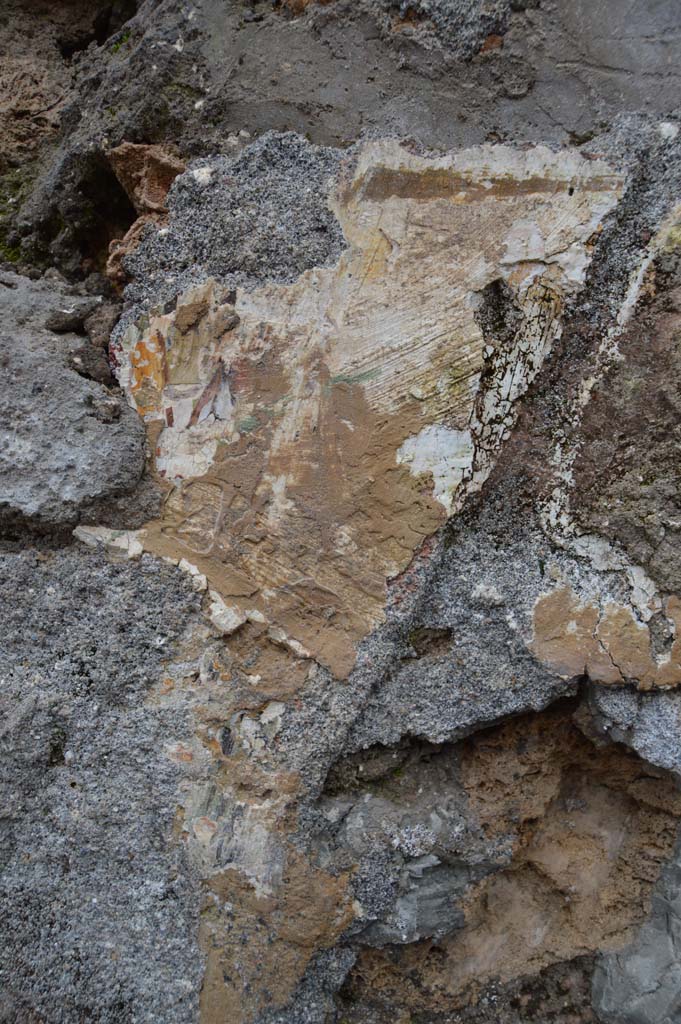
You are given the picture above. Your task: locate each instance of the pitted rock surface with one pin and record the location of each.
(67, 443)
(89, 794)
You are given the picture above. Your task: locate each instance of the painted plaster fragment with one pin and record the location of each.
(313, 434)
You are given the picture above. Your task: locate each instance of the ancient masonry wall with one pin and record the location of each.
(340, 529)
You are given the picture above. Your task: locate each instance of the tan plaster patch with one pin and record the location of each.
(146, 172)
(609, 645)
(244, 978)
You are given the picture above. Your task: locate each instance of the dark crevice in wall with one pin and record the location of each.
(109, 19)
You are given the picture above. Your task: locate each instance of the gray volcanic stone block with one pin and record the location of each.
(98, 912)
(66, 442)
(642, 984)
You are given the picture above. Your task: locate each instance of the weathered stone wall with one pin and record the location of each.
(339, 537)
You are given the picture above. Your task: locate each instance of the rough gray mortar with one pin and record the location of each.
(456, 28)
(313, 1002)
(98, 909)
(336, 74)
(262, 216)
(649, 723)
(471, 592)
(71, 449)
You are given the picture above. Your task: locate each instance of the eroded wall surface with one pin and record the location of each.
(341, 655)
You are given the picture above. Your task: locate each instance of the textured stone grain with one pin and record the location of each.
(99, 907)
(68, 444)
